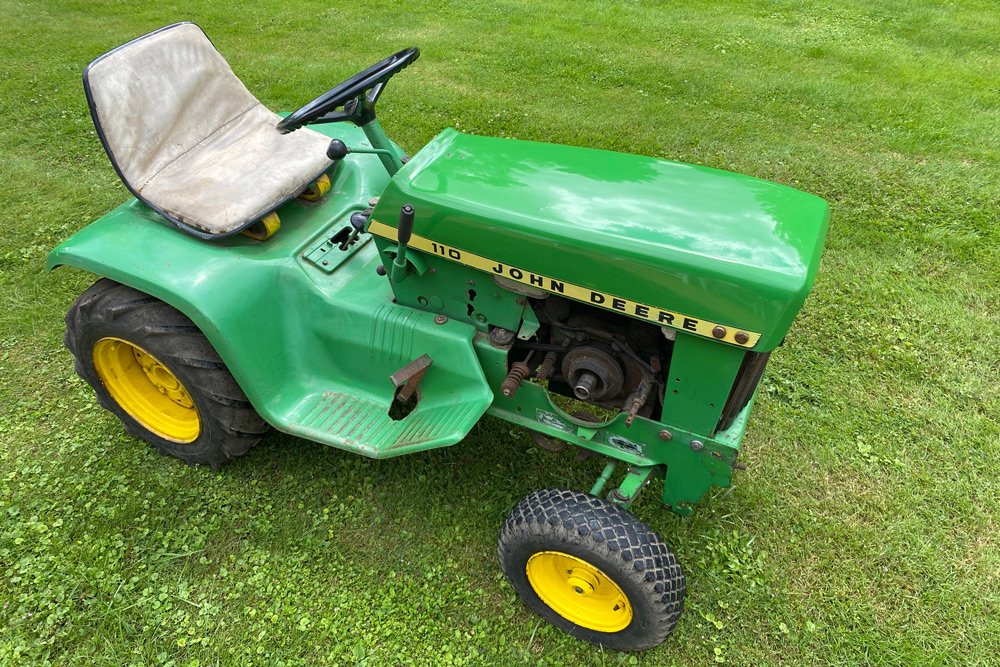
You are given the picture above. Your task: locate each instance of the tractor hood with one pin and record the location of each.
(710, 252)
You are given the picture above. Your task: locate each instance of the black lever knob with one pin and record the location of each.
(405, 227)
(359, 220)
(337, 150)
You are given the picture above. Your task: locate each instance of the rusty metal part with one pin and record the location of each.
(440, 319)
(518, 372)
(520, 288)
(547, 443)
(593, 373)
(617, 342)
(500, 337)
(409, 376)
(697, 445)
(666, 435)
(637, 399)
(548, 366)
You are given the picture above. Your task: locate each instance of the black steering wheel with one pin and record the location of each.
(357, 95)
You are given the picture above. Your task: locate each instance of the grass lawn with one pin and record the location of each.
(866, 529)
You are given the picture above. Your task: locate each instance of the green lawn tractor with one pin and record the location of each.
(319, 281)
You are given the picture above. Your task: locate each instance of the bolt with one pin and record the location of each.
(440, 319)
(471, 283)
(666, 435)
(697, 445)
(373, 201)
(578, 590)
(501, 337)
(719, 332)
(380, 270)
(742, 337)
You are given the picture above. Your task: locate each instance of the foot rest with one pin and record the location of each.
(364, 426)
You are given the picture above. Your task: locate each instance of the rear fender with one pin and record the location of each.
(238, 291)
(227, 285)
(299, 340)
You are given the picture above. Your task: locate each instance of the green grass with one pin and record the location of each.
(865, 530)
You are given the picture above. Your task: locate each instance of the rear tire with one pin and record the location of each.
(592, 569)
(153, 368)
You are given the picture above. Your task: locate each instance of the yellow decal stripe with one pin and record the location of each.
(641, 311)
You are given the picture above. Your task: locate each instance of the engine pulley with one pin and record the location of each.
(592, 373)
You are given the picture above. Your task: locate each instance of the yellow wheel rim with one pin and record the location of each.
(578, 591)
(146, 390)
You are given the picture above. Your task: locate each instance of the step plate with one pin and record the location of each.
(364, 426)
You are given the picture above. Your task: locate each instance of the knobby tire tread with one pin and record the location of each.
(605, 534)
(230, 425)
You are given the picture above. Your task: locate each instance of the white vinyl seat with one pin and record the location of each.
(187, 137)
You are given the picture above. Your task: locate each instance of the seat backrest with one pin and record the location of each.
(159, 96)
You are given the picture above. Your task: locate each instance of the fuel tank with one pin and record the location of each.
(709, 252)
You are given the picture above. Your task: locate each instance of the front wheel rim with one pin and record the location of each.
(147, 390)
(578, 591)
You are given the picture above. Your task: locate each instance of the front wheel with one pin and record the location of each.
(592, 569)
(154, 369)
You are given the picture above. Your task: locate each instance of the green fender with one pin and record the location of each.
(312, 348)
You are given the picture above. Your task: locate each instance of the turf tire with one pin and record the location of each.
(610, 539)
(229, 424)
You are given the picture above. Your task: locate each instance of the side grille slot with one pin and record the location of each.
(746, 382)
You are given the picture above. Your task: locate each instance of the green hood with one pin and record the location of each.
(705, 245)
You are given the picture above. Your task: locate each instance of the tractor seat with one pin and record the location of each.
(189, 140)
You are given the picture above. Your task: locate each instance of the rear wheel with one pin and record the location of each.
(592, 569)
(155, 370)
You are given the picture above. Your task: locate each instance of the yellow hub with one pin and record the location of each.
(578, 591)
(146, 390)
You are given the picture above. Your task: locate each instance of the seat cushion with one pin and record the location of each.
(189, 139)
(242, 171)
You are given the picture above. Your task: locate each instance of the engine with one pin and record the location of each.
(597, 357)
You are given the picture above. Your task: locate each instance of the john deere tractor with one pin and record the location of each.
(303, 273)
